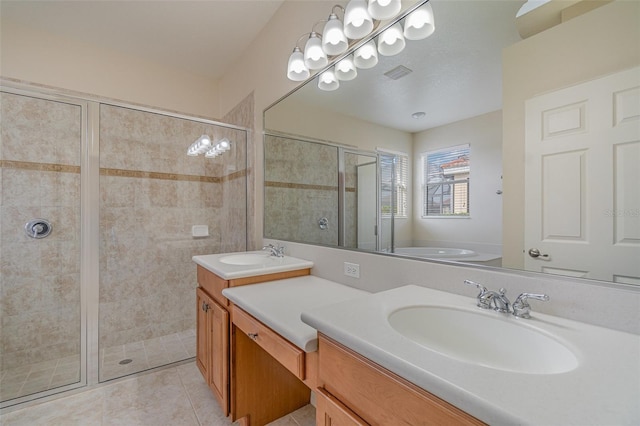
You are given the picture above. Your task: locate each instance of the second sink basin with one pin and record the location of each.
(483, 338)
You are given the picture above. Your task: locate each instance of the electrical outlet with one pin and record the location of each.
(352, 270)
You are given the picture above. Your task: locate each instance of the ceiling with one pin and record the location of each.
(456, 71)
(202, 37)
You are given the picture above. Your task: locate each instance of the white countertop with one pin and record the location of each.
(279, 304)
(268, 265)
(603, 389)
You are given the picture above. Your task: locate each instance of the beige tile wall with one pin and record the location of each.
(40, 143)
(298, 192)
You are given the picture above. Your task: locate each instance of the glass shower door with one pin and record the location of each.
(152, 194)
(40, 313)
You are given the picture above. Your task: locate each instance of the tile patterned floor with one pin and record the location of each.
(175, 396)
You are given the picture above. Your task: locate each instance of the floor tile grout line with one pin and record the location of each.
(184, 387)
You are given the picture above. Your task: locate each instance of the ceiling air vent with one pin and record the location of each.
(398, 72)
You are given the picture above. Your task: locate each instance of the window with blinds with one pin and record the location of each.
(445, 182)
(394, 176)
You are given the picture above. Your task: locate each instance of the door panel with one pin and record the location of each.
(582, 200)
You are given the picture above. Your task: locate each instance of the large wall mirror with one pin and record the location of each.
(495, 141)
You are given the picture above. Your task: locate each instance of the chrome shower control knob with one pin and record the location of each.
(38, 228)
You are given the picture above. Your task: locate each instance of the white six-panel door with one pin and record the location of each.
(582, 174)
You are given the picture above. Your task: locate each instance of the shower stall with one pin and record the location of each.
(98, 207)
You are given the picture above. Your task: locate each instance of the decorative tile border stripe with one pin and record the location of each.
(40, 167)
(64, 168)
(170, 176)
(289, 185)
(157, 175)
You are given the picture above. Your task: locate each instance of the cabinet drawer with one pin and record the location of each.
(287, 354)
(213, 285)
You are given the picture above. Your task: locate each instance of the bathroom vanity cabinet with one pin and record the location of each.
(355, 391)
(213, 336)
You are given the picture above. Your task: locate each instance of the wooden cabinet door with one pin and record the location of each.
(219, 338)
(331, 412)
(212, 346)
(203, 355)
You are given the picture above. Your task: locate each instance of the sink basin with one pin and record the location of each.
(487, 339)
(245, 259)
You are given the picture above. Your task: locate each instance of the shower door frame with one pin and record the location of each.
(86, 269)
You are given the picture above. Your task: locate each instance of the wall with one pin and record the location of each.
(30, 55)
(484, 226)
(608, 41)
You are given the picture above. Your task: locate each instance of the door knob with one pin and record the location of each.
(534, 252)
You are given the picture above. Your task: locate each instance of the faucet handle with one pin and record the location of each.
(482, 301)
(521, 308)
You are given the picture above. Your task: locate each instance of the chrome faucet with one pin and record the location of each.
(498, 301)
(277, 250)
(521, 308)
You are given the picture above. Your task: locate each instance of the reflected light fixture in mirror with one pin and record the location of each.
(334, 42)
(384, 9)
(366, 56)
(199, 146)
(419, 24)
(328, 81)
(345, 69)
(221, 147)
(357, 21)
(203, 145)
(391, 41)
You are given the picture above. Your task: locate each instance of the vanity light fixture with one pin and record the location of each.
(391, 41)
(314, 57)
(334, 42)
(357, 21)
(328, 81)
(384, 9)
(323, 48)
(296, 69)
(419, 24)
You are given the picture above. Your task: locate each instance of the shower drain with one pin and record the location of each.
(125, 361)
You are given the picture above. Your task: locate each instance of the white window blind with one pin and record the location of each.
(394, 170)
(445, 182)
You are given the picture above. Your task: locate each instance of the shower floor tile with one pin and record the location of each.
(29, 379)
(134, 357)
